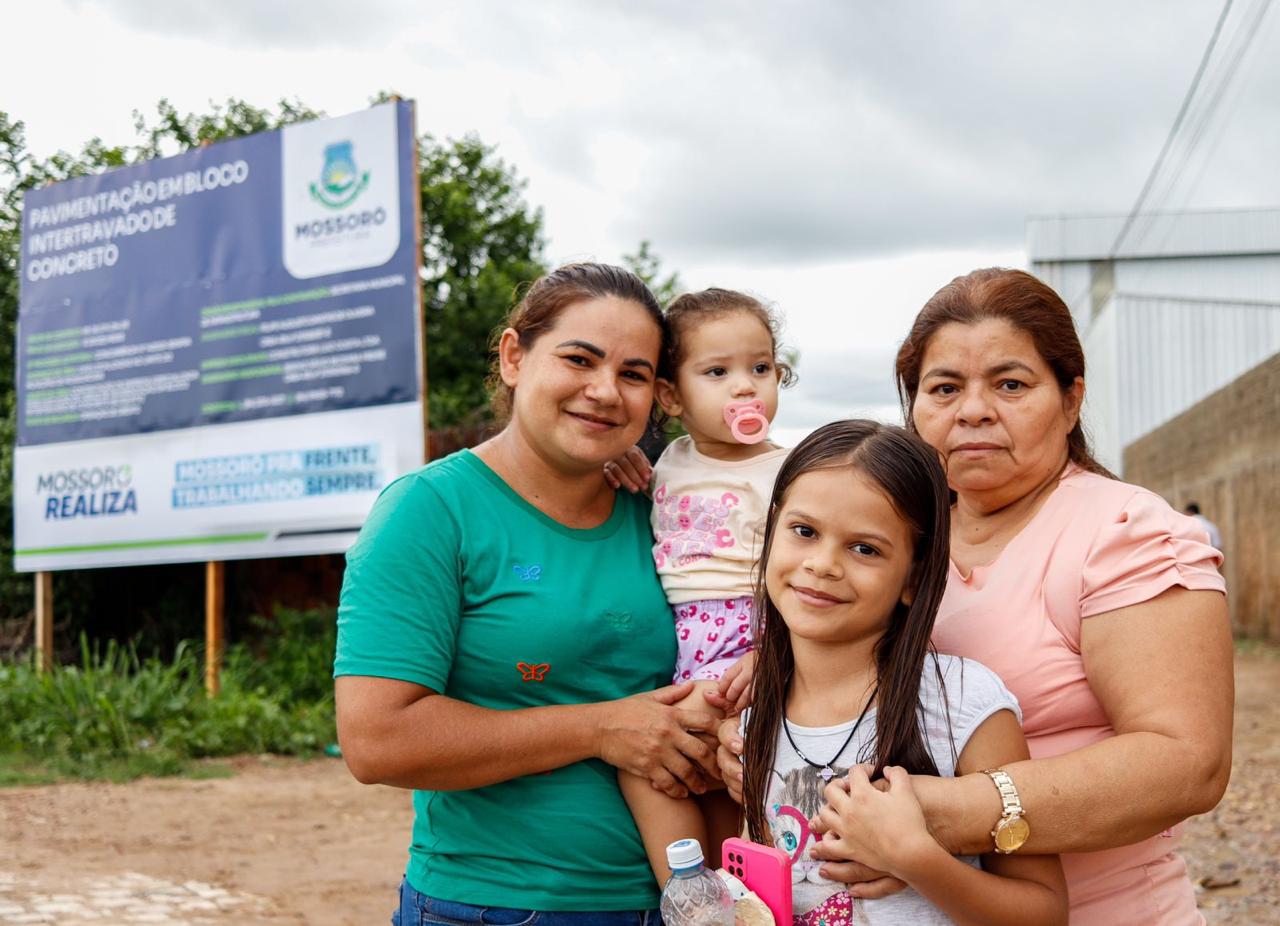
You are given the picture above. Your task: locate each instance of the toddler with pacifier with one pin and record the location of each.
(711, 493)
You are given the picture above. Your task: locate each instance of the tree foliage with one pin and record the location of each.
(648, 267)
(480, 241)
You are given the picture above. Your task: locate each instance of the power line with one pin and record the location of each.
(1173, 132)
(1236, 50)
(1233, 103)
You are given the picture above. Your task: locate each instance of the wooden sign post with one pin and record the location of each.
(214, 574)
(44, 621)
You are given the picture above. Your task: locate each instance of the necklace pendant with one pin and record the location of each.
(826, 773)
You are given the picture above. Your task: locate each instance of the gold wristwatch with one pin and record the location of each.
(1011, 830)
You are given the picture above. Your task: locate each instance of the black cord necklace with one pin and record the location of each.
(825, 771)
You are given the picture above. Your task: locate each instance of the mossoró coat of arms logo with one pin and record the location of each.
(340, 181)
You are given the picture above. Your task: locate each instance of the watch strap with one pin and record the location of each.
(1011, 804)
(1011, 830)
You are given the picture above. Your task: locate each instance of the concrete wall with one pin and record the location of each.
(1224, 452)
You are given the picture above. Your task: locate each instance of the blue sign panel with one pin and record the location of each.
(219, 353)
(200, 289)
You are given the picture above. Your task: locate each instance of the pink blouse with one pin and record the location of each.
(1094, 546)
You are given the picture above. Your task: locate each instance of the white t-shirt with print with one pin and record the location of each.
(708, 520)
(973, 693)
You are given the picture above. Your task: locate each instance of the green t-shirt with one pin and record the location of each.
(458, 584)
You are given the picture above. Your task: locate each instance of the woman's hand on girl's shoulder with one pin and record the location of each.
(648, 736)
(631, 471)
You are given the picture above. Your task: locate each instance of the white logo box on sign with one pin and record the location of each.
(340, 192)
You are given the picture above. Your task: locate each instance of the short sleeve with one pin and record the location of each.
(401, 600)
(1144, 550)
(973, 693)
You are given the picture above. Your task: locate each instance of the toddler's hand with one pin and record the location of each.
(631, 471)
(733, 694)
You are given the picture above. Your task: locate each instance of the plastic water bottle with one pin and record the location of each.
(693, 896)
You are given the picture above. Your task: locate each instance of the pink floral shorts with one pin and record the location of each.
(837, 910)
(711, 635)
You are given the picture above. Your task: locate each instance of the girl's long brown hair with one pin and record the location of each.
(908, 472)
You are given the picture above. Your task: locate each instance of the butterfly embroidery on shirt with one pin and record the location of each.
(533, 673)
(528, 573)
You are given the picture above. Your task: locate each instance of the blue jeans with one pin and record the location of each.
(417, 909)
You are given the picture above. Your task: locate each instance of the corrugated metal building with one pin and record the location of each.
(1188, 303)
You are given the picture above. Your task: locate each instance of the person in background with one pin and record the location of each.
(501, 634)
(1215, 538)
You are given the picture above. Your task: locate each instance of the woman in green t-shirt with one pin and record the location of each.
(502, 636)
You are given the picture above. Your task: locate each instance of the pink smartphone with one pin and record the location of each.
(764, 870)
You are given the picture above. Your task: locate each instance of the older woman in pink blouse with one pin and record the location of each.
(1100, 607)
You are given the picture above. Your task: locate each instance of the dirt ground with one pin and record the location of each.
(293, 842)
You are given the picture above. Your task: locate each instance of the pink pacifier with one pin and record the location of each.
(746, 421)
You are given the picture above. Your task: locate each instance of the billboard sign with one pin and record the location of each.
(219, 353)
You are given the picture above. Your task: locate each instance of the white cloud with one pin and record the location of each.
(843, 160)
(308, 24)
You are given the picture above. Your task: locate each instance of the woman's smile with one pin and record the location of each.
(594, 422)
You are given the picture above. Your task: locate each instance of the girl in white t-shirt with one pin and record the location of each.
(711, 493)
(847, 689)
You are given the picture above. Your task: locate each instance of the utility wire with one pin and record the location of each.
(1233, 103)
(1235, 51)
(1216, 76)
(1173, 132)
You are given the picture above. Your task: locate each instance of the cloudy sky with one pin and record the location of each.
(842, 159)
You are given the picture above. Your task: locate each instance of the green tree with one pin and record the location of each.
(648, 267)
(14, 588)
(480, 241)
(173, 132)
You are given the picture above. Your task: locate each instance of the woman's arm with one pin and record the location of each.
(402, 734)
(1162, 670)
(885, 828)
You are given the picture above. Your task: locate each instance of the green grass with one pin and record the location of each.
(117, 716)
(19, 770)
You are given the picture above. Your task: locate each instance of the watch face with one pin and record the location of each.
(1011, 834)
